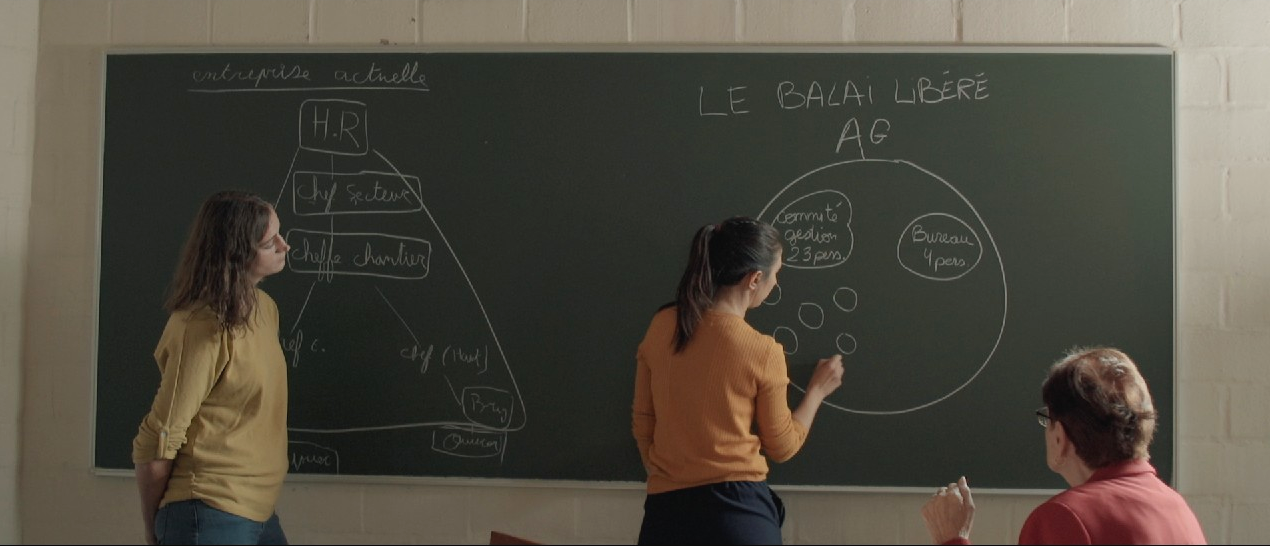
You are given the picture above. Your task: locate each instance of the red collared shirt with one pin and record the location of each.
(1124, 503)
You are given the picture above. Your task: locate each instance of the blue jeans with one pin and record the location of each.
(194, 522)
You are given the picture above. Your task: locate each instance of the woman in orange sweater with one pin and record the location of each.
(704, 379)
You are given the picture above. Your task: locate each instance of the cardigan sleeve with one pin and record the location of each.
(643, 418)
(780, 435)
(191, 356)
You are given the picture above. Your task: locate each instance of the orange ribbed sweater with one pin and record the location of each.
(694, 412)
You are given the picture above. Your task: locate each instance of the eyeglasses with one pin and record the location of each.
(1043, 416)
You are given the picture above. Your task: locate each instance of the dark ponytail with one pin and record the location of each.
(721, 255)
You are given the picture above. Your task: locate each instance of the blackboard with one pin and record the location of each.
(479, 239)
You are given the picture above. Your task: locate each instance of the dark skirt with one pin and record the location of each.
(718, 513)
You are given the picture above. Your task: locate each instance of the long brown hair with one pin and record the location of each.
(1103, 403)
(721, 255)
(213, 269)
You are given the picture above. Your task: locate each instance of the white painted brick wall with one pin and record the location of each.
(471, 21)
(75, 22)
(9, 112)
(1250, 524)
(1203, 303)
(577, 21)
(1243, 472)
(19, 49)
(1201, 471)
(1200, 189)
(543, 511)
(1249, 135)
(1203, 133)
(325, 511)
(1203, 349)
(1201, 242)
(711, 21)
(1250, 246)
(1013, 21)
(1199, 79)
(823, 21)
(1248, 188)
(15, 183)
(1249, 407)
(1211, 512)
(387, 22)
(899, 21)
(18, 21)
(1122, 21)
(391, 507)
(1240, 355)
(1225, 23)
(1223, 147)
(159, 22)
(9, 449)
(236, 22)
(1250, 78)
(598, 509)
(1201, 411)
(1249, 306)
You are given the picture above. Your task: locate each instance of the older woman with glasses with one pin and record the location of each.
(1098, 421)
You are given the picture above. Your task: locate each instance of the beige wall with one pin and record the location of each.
(1223, 186)
(19, 43)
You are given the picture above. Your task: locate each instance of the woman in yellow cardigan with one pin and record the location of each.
(704, 379)
(211, 455)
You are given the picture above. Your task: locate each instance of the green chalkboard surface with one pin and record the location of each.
(479, 239)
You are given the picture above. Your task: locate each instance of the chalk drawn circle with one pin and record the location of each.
(811, 315)
(846, 343)
(904, 364)
(846, 299)
(938, 239)
(787, 337)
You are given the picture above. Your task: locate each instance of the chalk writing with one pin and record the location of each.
(365, 192)
(230, 73)
(791, 96)
(468, 443)
(295, 344)
(334, 126)
(817, 229)
(311, 458)
(487, 406)
(925, 90)
(857, 92)
(939, 246)
(230, 78)
(424, 356)
(477, 358)
(408, 73)
(370, 254)
(735, 98)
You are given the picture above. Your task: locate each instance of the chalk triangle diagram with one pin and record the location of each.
(391, 334)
